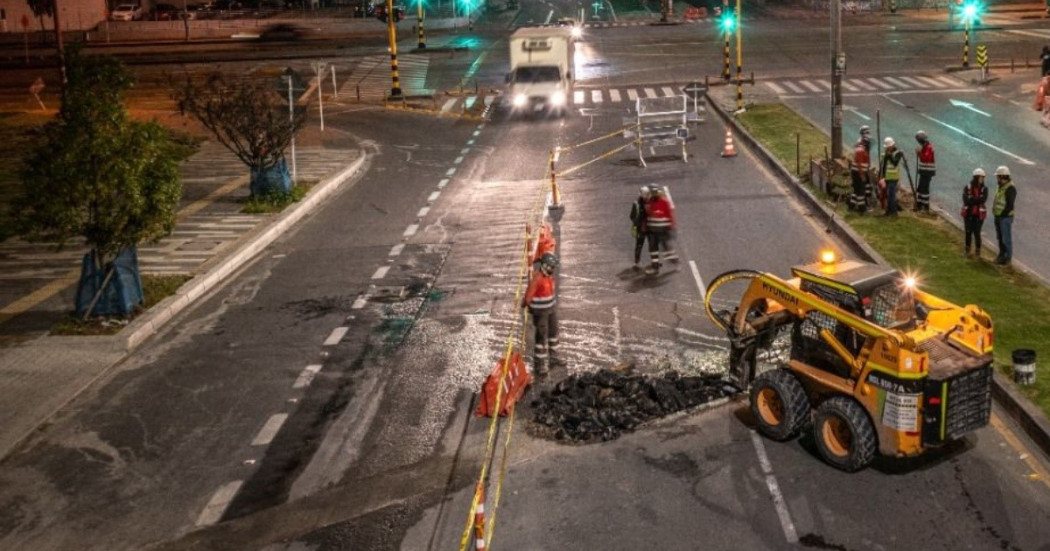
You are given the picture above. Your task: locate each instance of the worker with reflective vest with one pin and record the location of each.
(1003, 209)
(926, 168)
(890, 169)
(545, 243)
(975, 195)
(659, 223)
(858, 172)
(541, 300)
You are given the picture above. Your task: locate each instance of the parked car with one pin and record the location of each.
(282, 31)
(167, 12)
(127, 12)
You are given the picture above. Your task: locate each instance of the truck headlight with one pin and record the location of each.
(577, 32)
(520, 100)
(558, 99)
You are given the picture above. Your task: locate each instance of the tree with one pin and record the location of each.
(98, 175)
(249, 117)
(41, 8)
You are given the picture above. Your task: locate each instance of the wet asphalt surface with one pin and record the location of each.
(379, 450)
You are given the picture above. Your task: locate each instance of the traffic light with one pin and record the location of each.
(727, 23)
(398, 15)
(971, 10)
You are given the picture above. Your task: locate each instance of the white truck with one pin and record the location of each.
(541, 69)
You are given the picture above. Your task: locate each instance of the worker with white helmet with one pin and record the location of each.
(926, 169)
(638, 223)
(858, 171)
(975, 196)
(890, 169)
(1003, 210)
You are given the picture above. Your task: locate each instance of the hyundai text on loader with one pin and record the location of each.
(875, 364)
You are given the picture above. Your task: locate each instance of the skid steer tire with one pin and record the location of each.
(844, 434)
(779, 404)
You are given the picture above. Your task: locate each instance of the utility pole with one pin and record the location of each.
(727, 26)
(838, 66)
(391, 33)
(739, 62)
(59, 46)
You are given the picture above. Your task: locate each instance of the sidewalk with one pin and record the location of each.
(40, 374)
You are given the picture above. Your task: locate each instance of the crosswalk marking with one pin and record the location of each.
(849, 87)
(862, 84)
(776, 89)
(650, 93)
(448, 104)
(949, 81)
(812, 87)
(932, 81)
(918, 83)
(614, 96)
(632, 94)
(896, 82)
(880, 84)
(596, 96)
(794, 87)
(372, 78)
(668, 92)
(825, 84)
(577, 97)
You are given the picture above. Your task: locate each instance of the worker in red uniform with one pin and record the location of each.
(659, 223)
(541, 299)
(859, 172)
(926, 168)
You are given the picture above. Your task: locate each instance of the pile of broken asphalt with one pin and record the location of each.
(601, 406)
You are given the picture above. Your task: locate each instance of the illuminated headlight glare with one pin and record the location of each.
(577, 32)
(558, 99)
(520, 100)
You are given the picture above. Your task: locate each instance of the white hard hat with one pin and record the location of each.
(645, 189)
(1003, 170)
(978, 172)
(888, 142)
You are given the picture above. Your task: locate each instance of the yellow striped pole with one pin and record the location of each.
(419, 19)
(391, 32)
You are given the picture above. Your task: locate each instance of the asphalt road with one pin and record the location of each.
(376, 448)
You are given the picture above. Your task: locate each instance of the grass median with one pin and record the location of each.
(932, 248)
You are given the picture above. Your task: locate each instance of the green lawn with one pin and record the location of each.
(1019, 306)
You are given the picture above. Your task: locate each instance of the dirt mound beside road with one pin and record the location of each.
(600, 406)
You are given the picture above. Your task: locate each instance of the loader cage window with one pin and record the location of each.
(808, 347)
(892, 307)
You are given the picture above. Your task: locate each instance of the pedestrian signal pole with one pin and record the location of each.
(419, 19)
(739, 63)
(969, 14)
(727, 28)
(391, 33)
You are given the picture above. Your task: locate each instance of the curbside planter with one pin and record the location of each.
(1006, 395)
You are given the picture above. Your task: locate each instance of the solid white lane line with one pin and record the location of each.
(614, 96)
(218, 503)
(450, 171)
(336, 335)
(307, 376)
(774, 490)
(966, 134)
(699, 282)
(422, 212)
(458, 160)
(776, 89)
(448, 105)
(443, 183)
(577, 97)
(411, 230)
(433, 196)
(396, 250)
(381, 272)
(269, 430)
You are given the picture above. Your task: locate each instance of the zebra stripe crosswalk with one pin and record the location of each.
(371, 77)
(863, 85)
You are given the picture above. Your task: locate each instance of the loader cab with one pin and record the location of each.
(869, 291)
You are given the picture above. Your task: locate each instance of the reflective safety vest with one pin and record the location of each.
(861, 159)
(926, 160)
(999, 205)
(891, 161)
(540, 294)
(659, 215)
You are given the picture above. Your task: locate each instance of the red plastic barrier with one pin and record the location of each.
(518, 379)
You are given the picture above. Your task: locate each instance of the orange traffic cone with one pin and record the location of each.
(729, 150)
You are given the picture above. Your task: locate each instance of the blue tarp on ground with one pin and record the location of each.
(123, 291)
(275, 178)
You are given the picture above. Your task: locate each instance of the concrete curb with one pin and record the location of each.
(144, 326)
(1009, 398)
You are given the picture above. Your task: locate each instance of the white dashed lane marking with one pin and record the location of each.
(458, 160)
(218, 503)
(362, 300)
(774, 490)
(423, 212)
(443, 183)
(307, 376)
(337, 335)
(433, 196)
(396, 249)
(464, 151)
(270, 429)
(411, 230)
(381, 272)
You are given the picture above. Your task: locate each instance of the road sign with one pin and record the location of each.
(982, 55)
(694, 90)
(298, 84)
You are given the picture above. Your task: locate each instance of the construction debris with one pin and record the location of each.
(601, 406)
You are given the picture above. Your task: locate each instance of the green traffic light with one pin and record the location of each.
(969, 11)
(728, 22)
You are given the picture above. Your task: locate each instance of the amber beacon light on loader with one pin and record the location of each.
(874, 363)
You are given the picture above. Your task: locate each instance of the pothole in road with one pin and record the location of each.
(602, 406)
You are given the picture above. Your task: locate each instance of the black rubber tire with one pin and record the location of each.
(779, 384)
(852, 421)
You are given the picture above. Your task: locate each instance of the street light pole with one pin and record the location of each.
(739, 61)
(838, 66)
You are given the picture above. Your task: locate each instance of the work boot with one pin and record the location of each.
(652, 270)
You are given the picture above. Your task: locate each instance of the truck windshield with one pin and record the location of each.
(537, 74)
(892, 306)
